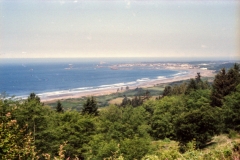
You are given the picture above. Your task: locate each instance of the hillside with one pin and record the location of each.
(193, 119)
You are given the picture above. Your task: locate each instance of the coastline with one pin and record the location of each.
(191, 73)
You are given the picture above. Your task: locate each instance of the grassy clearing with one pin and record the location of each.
(117, 101)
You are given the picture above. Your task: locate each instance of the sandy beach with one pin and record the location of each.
(105, 91)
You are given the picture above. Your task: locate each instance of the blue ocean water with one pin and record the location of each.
(20, 79)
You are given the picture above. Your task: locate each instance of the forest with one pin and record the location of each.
(182, 123)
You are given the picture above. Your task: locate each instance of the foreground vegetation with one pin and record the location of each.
(191, 120)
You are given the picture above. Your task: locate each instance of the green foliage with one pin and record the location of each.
(149, 107)
(90, 106)
(196, 84)
(15, 143)
(197, 99)
(49, 129)
(6, 106)
(186, 87)
(59, 107)
(224, 83)
(231, 108)
(134, 148)
(118, 123)
(175, 89)
(33, 114)
(167, 91)
(183, 114)
(105, 150)
(200, 125)
(76, 130)
(232, 134)
(164, 116)
(126, 101)
(218, 91)
(137, 101)
(125, 127)
(34, 97)
(192, 86)
(170, 150)
(71, 127)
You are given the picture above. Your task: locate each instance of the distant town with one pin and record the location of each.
(169, 65)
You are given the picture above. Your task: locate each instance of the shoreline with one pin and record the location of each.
(191, 73)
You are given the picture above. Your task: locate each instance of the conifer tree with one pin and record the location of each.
(200, 83)
(231, 108)
(147, 95)
(224, 83)
(137, 101)
(192, 85)
(90, 106)
(59, 107)
(33, 96)
(218, 85)
(125, 101)
(167, 91)
(198, 78)
(233, 78)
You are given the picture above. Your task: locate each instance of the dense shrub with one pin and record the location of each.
(200, 125)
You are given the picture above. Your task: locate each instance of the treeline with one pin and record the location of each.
(192, 112)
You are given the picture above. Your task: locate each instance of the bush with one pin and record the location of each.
(200, 125)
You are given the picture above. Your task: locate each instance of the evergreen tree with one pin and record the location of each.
(196, 84)
(206, 85)
(233, 78)
(218, 86)
(223, 84)
(175, 90)
(147, 95)
(167, 91)
(200, 83)
(137, 101)
(198, 78)
(192, 86)
(34, 97)
(231, 110)
(125, 101)
(90, 106)
(59, 107)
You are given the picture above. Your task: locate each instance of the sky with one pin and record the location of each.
(123, 28)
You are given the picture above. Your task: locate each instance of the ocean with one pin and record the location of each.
(20, 78)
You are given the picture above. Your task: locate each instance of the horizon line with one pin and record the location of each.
(235, 57)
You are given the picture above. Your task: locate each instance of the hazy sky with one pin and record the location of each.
(81, 28)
